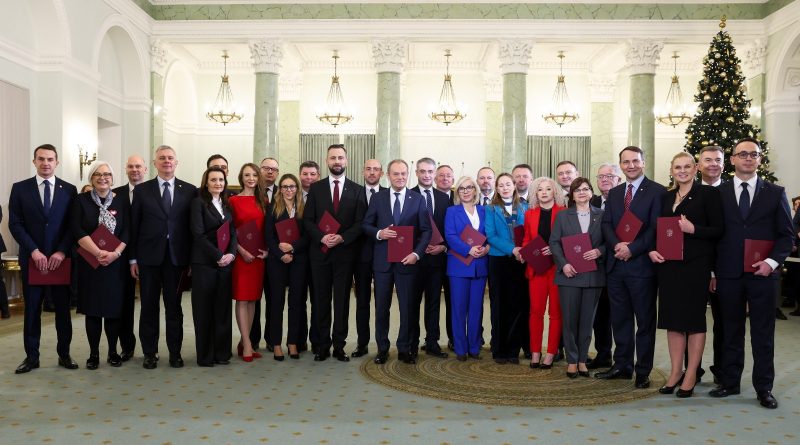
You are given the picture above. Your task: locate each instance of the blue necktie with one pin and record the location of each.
(744, 201)
(47, 198)
(396, 209)
(429, 201)
(166, 198)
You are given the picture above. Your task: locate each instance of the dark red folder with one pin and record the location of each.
(328, 225)
(628, 227)
(574, 247)
(47, 277)
(436, 235)
(288, 231)
(105, 240)
(519, 235)
(532, 254)
(250, 238)
(473, 238)
(669, 238)
(402, 245)
(756, 250)
(224, 236)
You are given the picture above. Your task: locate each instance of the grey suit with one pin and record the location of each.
(578, 295)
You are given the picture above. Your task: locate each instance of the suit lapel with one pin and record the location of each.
(407, 204)
(35, 196)
(573, 220)
(728, 191)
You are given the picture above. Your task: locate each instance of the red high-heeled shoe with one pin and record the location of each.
(247, 358)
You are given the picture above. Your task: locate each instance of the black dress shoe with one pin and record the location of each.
(114, 360)
(500, 360)
(780, 315)
(93, 362)
(381, 358)
(642, 381)
(435, 351)
(406, 358)
(222, 362)
(175, 361)
(722, 391)
(67, 362)
(613, 373)
(767, 400)
(360, 351)
(150, 361)
(450, 346)
(340, 355)
(26, 366)
(598, 364)
(321, 356)
(514, 360)
(126, 355)
(461, 358)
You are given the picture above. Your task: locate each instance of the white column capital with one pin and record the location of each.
(494, 87)
(389, 56)
(267, 55)
(290, 86)
(642, 56)
(602, 88)
(515, 56)
(755, 57)
(158, 57)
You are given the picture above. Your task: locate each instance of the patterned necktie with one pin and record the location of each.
(335, 195)
(629, 197)
(371, 192)
(744, 201)
(166, 198)
(429, 201)
(486, 200)
(47, 197)
(266, 195)
(396, 209)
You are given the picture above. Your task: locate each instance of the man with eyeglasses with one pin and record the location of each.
(566, 172)
(753, 210)
(269, 177)
(444, 183)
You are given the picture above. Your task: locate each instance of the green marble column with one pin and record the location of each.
(602, 134)
(515, 126)
(265, 120)
(387, 126)
(642, 123)
(157, 111)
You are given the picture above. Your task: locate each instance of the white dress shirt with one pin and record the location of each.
(425, 197)
(368, 190)
(474, 218)
(341, 185)
(171, 188)
(40, 182)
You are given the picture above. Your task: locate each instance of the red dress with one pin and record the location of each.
(248, 278)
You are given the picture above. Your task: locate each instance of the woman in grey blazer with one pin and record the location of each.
(579, 292)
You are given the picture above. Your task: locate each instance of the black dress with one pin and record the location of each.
(683, 285)
(100, 290)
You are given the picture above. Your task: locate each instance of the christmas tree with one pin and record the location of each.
(722, 113)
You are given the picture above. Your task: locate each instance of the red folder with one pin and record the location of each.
(574, 247)
(224, 236)
(250, 238)
(401, 246)
(669, 241)
(436, 235)
(756, 250)
(628, 227)
(519, 235)
(328, 225)
(47, 277)
(105, 240)
(288, 231)
(532, 254)
(473, 238)
(184, 281)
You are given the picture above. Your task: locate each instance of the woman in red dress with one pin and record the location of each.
(248, 268)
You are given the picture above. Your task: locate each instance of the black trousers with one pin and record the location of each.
(127, 339)
(602, 328)
(427, 287)
(507, 296)
(633, 318)
(154, 281)
(308, 327)
(211, 310)
(32, 327)
(363, 290)
(94, 328)
(293, 276)
(255, 328)
(332, 283)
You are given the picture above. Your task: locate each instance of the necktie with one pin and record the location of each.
(429, 202)
(266, 195)
(629, 197)
(47, 198)
(603, 204)
(744, 201)
(396, 209)
(336, 195)
(371, 192)
(523, 200)
(166, 198)
(486, 200)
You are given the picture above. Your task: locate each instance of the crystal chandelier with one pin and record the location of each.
(675, 111)
(223, 110)
(335, 112)
(561, 111)
(446, 111)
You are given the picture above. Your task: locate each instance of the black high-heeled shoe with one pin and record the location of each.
(684, 393)
(572, 375)
(584, 373)
(667, 389)
(546, 366)
(278, 358)
(535, 365)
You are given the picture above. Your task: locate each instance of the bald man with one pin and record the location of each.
(136, 170)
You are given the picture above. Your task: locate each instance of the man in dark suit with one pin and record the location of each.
(432, 267)
(393, 208)
(37, 218)
(754, 210)
(631, 276)
(373, 171)
(309, 174)
(135, 169)
(269, 177)
(444, 183)
(160, 246)
(333, 255)
(608, 177)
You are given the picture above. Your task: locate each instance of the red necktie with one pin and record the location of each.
(335, 195)
(266, 196)
(629, 197)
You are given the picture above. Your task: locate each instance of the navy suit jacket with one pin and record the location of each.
(646, 205)
(454, 223)
(152, 228)
(768, 219)
(31, 228)
(440, 204)
(379, 216)
(352, 205)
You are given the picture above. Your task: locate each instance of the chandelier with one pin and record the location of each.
(223, 110)
(675, 111)
(446, 111)
(561, 111)
(335, 112)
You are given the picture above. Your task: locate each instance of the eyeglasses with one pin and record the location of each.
(288, 187)
(748, 154)
(584, 190)
(608, 177)
(466, 188)
(101, 175)
(270, 169)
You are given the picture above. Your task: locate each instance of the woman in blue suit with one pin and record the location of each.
(507, 275)
(467, 282)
